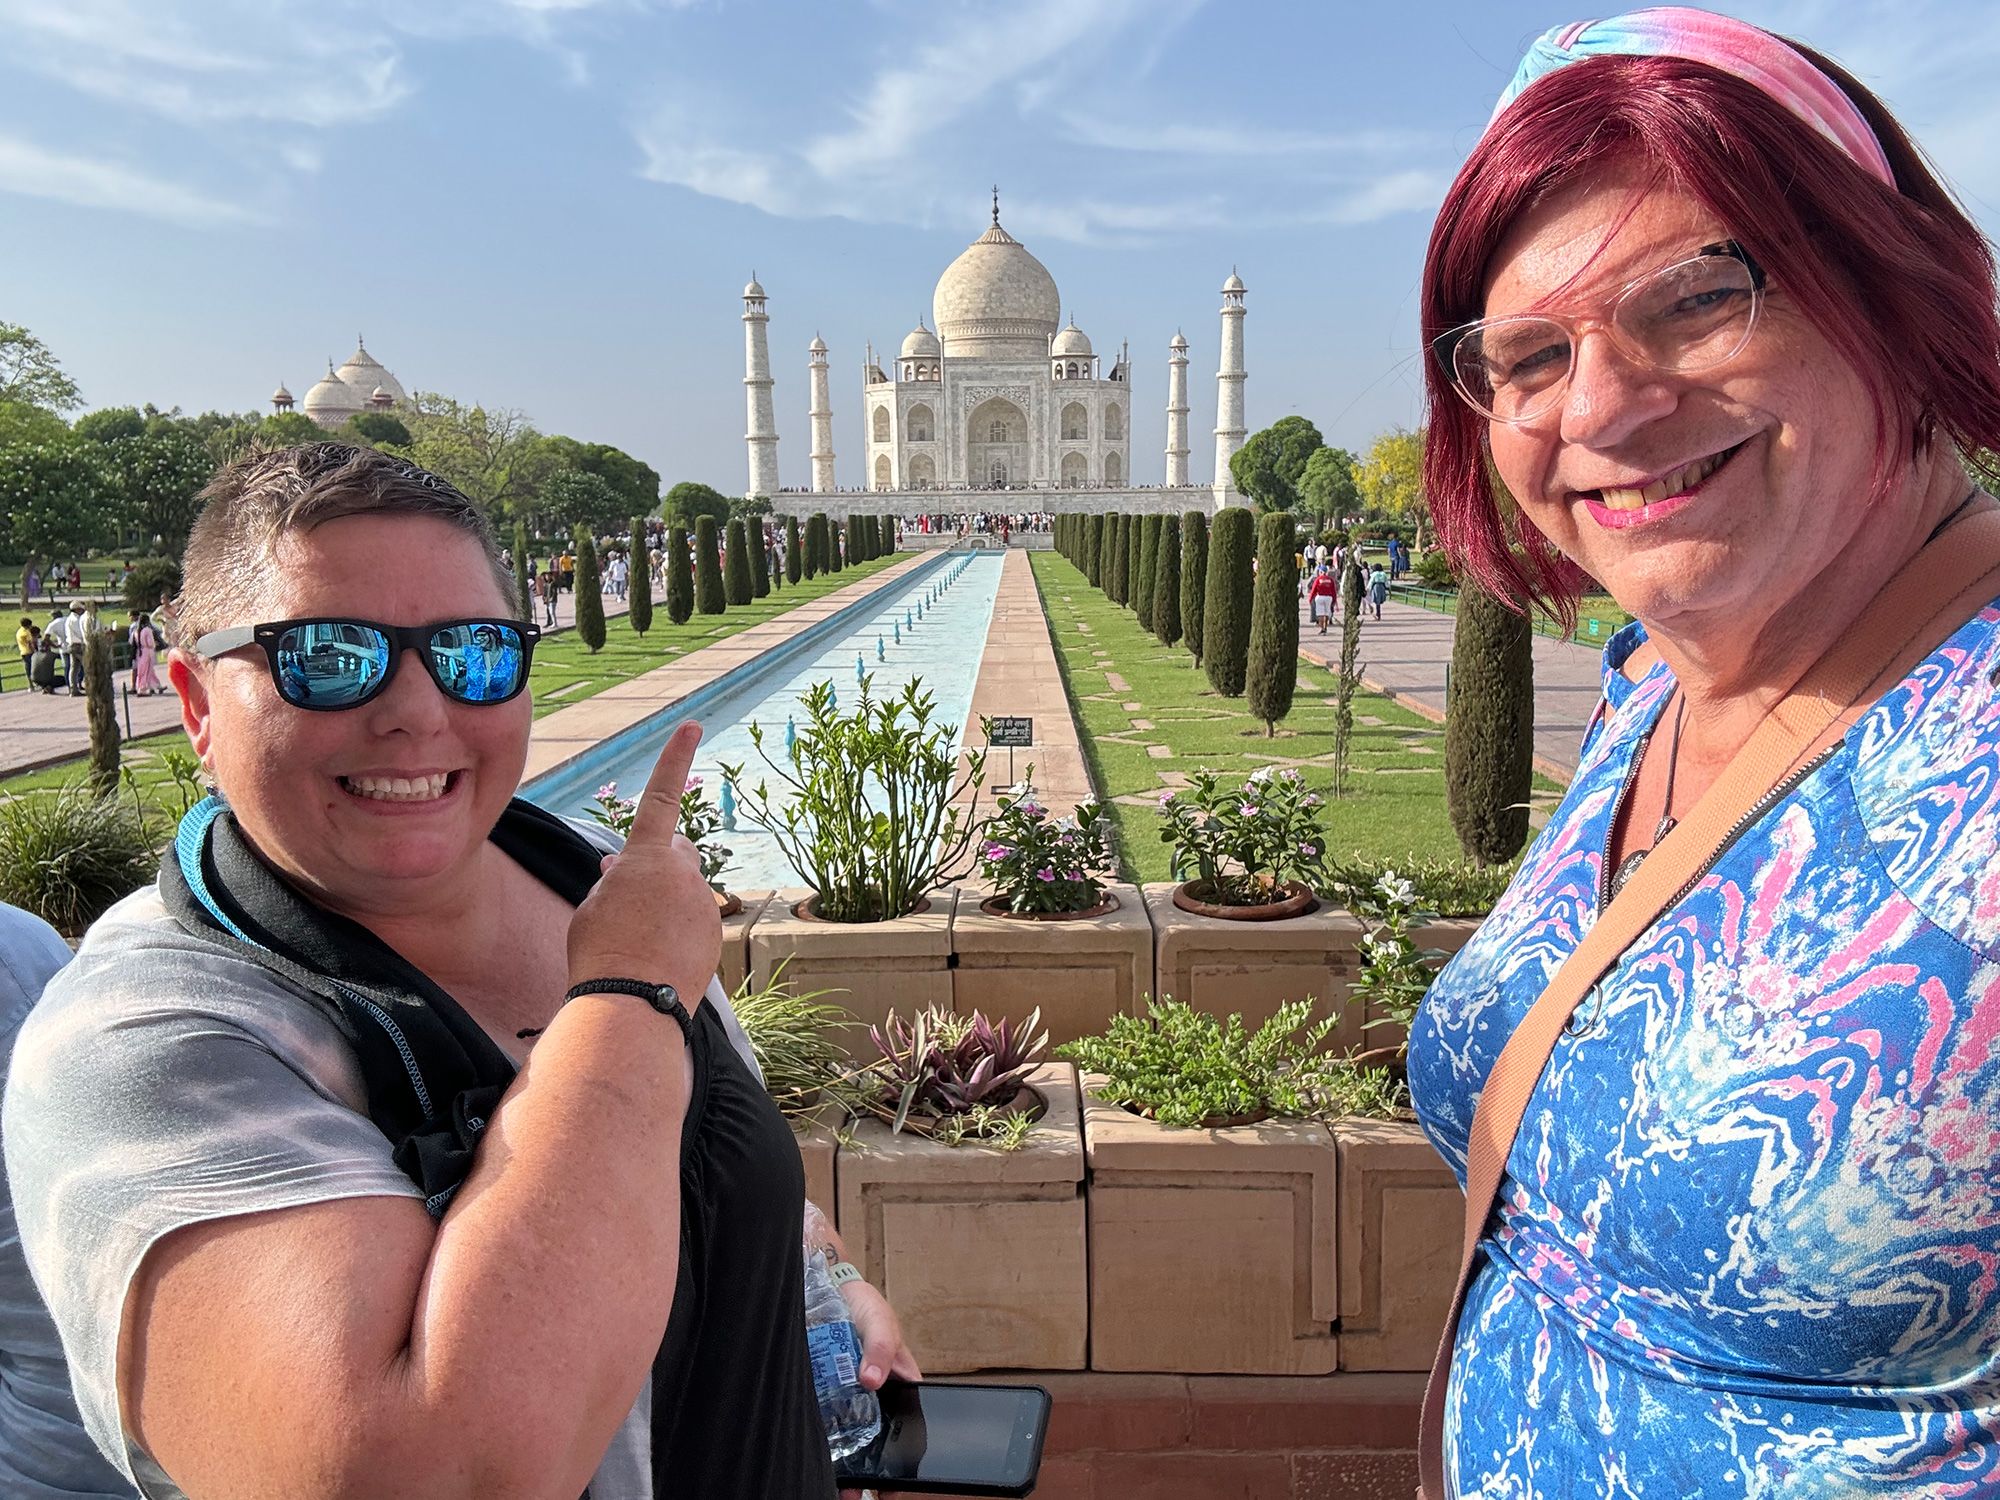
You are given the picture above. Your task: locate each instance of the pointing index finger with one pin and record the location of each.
(660, 803)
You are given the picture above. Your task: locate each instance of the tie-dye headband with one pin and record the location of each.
(1730, 46)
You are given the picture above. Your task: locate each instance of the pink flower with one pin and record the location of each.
(608, 791)
(1074, 875)
(692, 783)
(1045, 873)
(1033, 808)
(1166, 797)
(997, 851)
(1308, 850)
(1249, 809)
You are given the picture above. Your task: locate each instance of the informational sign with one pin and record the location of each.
(1011, 733)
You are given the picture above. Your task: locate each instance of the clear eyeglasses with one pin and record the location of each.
(1692, 315)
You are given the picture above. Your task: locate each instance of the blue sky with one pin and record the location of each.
(553, 204)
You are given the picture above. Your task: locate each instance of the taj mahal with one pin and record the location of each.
(1001, 395)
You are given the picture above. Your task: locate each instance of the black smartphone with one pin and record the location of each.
(944, 1438)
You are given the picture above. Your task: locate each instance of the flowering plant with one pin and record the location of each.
(701, 820)
(1395, 973)
(1244, 843)
(1043, 864)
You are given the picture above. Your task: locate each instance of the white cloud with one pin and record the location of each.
(1414, 190)
(86, 182)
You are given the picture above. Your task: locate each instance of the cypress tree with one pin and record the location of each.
(1194, 577)
(1142, 571)
(1225, 611)
(708, 591)
(1489, 723)
(1167, 582)
(872, 525)
(680, 575)
(1114, 580)
(101, 709)
(1093, 549)
(639, 591)
(836, 549)
(1273, 671)
(589, 593)
(794, 561)
(736, 588)
(523, 579)
(809, 555)
(760, 559)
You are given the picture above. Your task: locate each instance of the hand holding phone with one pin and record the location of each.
(941, 1437)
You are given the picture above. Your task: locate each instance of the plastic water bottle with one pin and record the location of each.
(852, 1415)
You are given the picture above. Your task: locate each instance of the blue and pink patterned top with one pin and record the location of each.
(1749, 1238)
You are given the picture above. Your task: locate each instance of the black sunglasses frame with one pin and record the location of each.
(401, 638)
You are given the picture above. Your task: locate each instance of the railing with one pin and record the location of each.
(1588, 631)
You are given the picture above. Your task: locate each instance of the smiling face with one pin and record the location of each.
(378, 808)
(1695, 498)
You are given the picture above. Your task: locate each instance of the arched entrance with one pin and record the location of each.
(923, 473)
(881, 471)
(1075, 470)
(996, 442)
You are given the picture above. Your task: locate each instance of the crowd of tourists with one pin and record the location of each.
(52, 654)
(966, 523)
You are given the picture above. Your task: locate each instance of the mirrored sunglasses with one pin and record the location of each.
(328, 664)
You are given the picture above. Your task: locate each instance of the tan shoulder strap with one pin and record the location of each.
(1938, 590)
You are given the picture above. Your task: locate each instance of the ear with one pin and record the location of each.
(197, 713)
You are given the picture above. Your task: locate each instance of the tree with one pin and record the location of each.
(1489, 727)
(159, 479)
(736, 586)
(1167, 582)
(524, 578)
(639, 589)
(813, 560)
(1090, 546)
(31, 375)
(291, 429)
(1273, 671)
(110, 423)
(1391, 481)
(493, 455)
(21, 424)
(749, 507)
(795, 563)
(1348, 678)
(687, 502)
(1268, 467)
(708, 592)
(1225, 610)
(637, 484)
(760, 559)
(573, 497)
(589, 593)
(1194, 577)
(56, 499)
(836, 549)
(889, 539)
(101, 708)
(1114, 572)
(374, 429)
(680, 575)
(1142, 570)
(152, 581)
(1327, 487)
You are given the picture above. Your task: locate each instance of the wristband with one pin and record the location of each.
(843, 1272)
(664, 998)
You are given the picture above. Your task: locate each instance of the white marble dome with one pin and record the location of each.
(332, 400)
(366, 375)
(1072, 340)
(921, 343)
(996, 301)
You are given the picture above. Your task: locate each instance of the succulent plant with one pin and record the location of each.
(940, 1064)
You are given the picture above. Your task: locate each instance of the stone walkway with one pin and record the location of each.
(1018, 675)
(1407, 653)
(37, 730)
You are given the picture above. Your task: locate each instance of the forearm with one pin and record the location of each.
(548, 1291)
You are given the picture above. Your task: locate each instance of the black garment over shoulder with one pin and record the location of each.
(734, 1413)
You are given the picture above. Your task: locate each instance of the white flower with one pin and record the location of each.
(1396, 889)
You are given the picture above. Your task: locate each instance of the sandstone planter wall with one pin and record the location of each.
(980, 1251)
(816, 1148)
(902, 964)
(735, 963)
(1223, 967)
(1081, 973)
(1401, 1221)
(1211, 1251)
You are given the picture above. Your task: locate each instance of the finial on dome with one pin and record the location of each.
(996, 203)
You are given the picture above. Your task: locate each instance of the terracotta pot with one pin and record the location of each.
(1297, 903)
(728, 903)
(996, 906)
(808, 911)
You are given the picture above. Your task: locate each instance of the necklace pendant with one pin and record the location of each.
(1627, 868)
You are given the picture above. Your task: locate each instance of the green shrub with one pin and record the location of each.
(1194, 577)
(1225, 646)
(1167, 582)
(1433, 571)
(639, 591)
(708, 591)
(680, 575)
(1142, 570)
(760, 558)
(736, 585)
(837, 557)
(1449, 887)
(68, 855)
(815, 550)
(151, 580)
(589, 592)
(1093, 549)
(1489, 725)
(1121, 557)
(795, 561)
(1273, 670)
(1185, 1067)
(806, 1070)
(888, 534)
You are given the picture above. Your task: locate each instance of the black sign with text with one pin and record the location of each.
(1011, 733)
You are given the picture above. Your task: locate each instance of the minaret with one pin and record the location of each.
(822, 421)
(1229, 393)
(763, 434)
(1177, 412)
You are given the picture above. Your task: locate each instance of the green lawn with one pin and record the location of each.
(1595, 609)
(1394, 808)
(564, 673)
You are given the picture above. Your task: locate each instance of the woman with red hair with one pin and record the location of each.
(1708, 331)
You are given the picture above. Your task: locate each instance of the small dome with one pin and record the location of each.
(380, 397)
(1180, 341)
(921, 343)
(817, 346)
(332, 400)
(1071, 340)
(281, 396)
(1234, 283)
(753, 289)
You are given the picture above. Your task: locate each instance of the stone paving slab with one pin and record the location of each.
(1018, 675)
(1406, 653)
